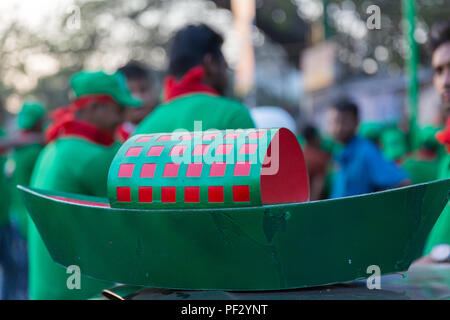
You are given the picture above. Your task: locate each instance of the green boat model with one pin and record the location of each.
(229, 210)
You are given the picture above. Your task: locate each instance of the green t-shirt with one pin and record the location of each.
(73, 165)
(441, 230)
(24, 159)
(214, 112)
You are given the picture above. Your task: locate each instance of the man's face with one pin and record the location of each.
(106, 116)
(441, 79)
(343, 125)
(142, 89)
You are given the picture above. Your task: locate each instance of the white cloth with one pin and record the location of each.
(273, 117)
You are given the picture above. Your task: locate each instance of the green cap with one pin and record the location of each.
(371, 130)
(31, 113)
(394, 144)
(86, 83)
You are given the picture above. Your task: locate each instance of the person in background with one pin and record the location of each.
(316, 161)
(30, 121)
(141, 84)
(440, 49)
(437, 249)
(195, 87)
(360, 166)
(6, 258)
(80, 148)
(423, 164)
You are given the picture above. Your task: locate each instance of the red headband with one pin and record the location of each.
(64, 122)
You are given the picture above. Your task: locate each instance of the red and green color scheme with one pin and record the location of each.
(267, 242)
(208, 169)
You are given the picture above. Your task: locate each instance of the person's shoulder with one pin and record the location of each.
(228, 102)
(234, 113)
(200, 99)
(362, 149)
(77, 149)
(367, 145)
(75, 145)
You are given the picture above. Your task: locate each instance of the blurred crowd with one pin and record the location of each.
(70, 148)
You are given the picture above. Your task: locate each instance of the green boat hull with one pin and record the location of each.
(270, 247)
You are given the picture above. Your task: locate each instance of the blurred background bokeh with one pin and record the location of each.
(302, 53)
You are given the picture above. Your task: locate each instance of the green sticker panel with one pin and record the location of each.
(233, 168)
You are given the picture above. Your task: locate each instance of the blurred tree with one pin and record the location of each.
(38, 61)
(362, 50)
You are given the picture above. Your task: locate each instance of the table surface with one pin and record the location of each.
(429, 282)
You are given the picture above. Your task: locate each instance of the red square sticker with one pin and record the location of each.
(200, 149)
(145, 194)
(256, 135)
(241, 193)
(123, 194)
(242, 168)
(155, 151)
(144, 139)
(126, 170)
(177, 150)
(232, 135)
(168, 194)
(194, 170)
(209, 136)
(248, 148)
(192, 194)
(217, 169)
(133, 152)
(186, 137)
(224, 149)
(171, 170)
(215, 194)
(164, 138)
(148, 170)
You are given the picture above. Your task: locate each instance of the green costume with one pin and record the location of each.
(24, 159)
(76, 160)
(72, 165)
(215, 112)
(441, 230)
